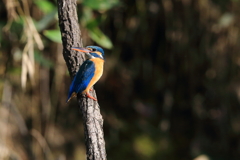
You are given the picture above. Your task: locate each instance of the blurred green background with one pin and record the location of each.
(170, 90)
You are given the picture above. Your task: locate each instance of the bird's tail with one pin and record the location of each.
(74, 94)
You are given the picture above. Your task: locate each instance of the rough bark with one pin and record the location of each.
(92, 118)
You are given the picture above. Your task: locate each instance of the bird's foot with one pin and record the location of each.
(88, 95)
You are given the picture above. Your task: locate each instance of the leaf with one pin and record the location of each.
(46, 21)
(42, 60)
(53, 35)
(100, 38)
(145, 145)
(44, 5)
(226, 19)
(100, 4)
(93, 23)
(14, 70)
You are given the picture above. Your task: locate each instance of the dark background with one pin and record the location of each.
(170, 90)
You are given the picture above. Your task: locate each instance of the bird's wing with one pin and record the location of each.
(82, 78)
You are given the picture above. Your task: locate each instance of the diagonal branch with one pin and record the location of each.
(92, 118)
(71, 34)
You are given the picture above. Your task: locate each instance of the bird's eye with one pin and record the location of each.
(93, 49)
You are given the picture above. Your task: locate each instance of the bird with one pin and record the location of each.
(89, 72)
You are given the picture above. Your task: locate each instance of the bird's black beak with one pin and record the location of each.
(84, 50)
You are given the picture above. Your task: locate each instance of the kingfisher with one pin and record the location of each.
(89, 73)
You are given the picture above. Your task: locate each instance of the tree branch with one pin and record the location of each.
(92, 118)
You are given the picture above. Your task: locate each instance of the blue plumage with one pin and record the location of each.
(96, 48)
(89, 72)
(82, 78)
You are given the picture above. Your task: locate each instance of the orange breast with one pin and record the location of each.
(97, 74)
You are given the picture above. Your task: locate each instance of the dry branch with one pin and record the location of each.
(92, 119)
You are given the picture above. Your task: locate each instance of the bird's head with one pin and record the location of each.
(91, 51)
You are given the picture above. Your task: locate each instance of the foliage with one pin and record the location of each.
(170, 89)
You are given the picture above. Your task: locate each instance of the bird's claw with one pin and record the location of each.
(88, 95)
